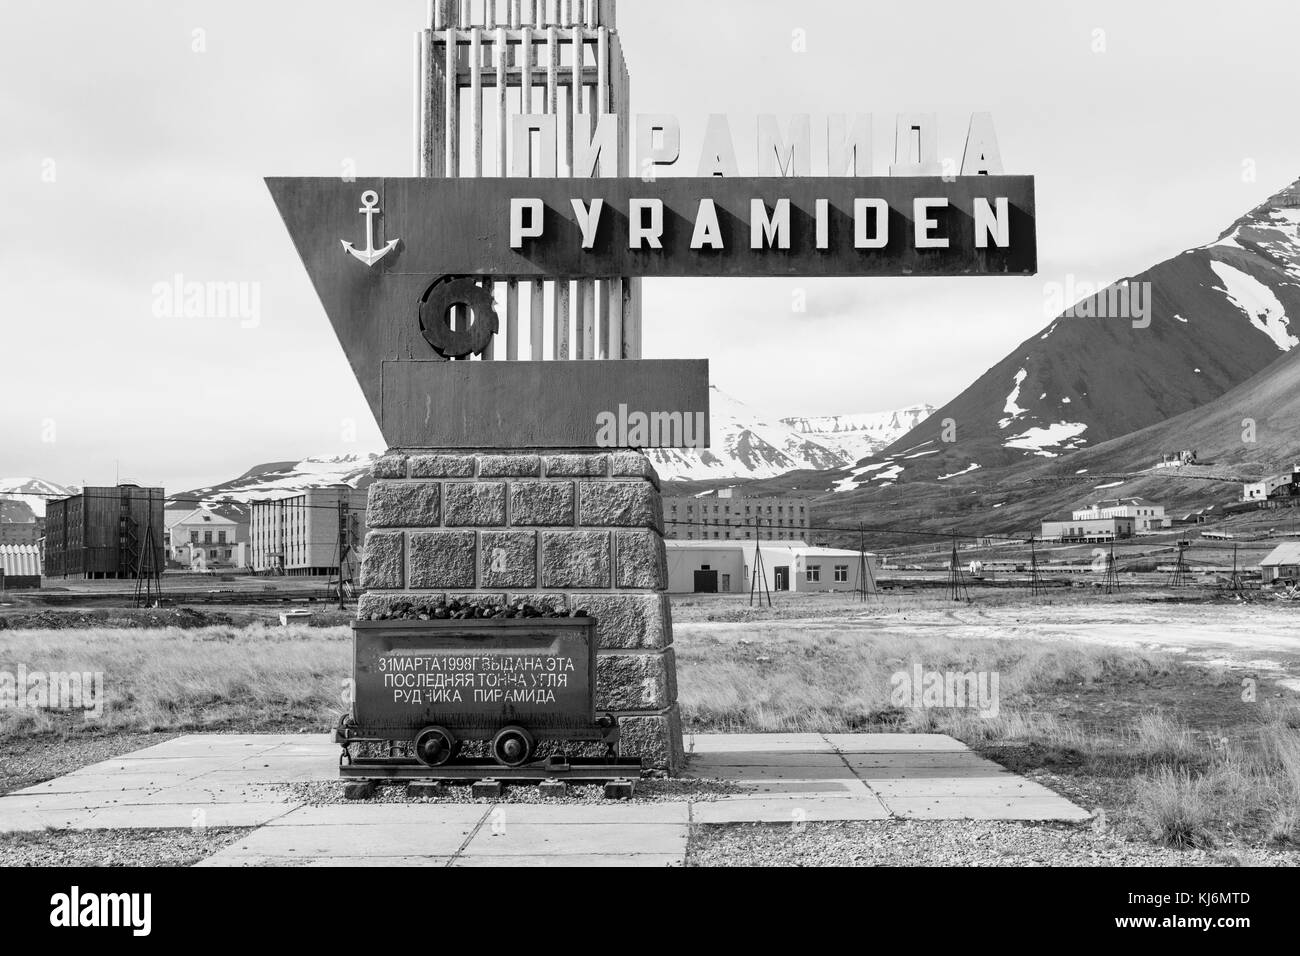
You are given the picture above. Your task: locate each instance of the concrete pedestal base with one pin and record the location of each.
(573, 530)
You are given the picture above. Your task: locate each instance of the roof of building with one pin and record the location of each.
(1136, 502)
(20, 560)
(1283, 554)
(197, 516)
(733, 543)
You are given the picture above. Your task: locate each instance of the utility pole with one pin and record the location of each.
(1236, 573)
(343, 545)
(1112, 576)
(758, 577)
(1035, 582)
(148, 576)
(956, 581)
(1182, 573)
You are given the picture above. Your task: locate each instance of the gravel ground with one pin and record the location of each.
(319, 793)
(32, 759)
(115, 847)
(946, 843)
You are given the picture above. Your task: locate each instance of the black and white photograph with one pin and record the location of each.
(648, 434)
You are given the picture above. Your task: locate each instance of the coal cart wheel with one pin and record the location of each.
(434, 746)
(513, 746)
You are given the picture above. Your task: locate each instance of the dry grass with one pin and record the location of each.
(173, 679)
(828, 679)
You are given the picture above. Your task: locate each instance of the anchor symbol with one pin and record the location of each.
(370, 255)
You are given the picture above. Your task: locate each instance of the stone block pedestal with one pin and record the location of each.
(575, 530)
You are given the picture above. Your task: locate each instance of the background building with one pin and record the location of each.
(1282, 563)
(725, 515)
(299, 536)
(101, 533)
(1072, 530)
(725, 567)
(202, 540)
(21, 532)
(1274, 487)
(20, 567)
(1146, 515)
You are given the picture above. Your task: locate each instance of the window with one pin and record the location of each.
(221, 537)
(813, 572)
(841, 573)
(207, 537)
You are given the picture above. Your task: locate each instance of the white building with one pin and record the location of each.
(1275, 486)
(203, 541)
(299, 535)
(1146, 515)
(726, 567)
(1087, 530)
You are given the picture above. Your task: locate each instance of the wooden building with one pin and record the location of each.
(104, 532)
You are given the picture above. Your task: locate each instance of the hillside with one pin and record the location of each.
(22, 500)
(1219, 314)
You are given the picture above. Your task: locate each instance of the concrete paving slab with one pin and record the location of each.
(168, 816)
(762, 743)
(386, 814)
(573, 860)
(88, 782)
(32, 821)
(894, 743)
(788, 810)
(594, 813)
(252, 859)
(998, 785)
(704, 768)
(986, 808)
(921, 760)
(76, 800)
(345, 840)
(566, 839)
(757, 758)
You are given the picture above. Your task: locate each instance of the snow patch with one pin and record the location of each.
(965, 471)
(1039, 440)
(1259, 303)
(1012, 409)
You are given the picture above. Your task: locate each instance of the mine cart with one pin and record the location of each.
(424, 688)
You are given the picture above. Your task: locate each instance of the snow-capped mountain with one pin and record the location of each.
(747, 444)
(281, 479)
(1140, 351)
(857, 436)
(23, 499)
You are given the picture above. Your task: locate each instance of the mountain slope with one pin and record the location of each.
(747, 444)
(23, 500)
(856, 436)
(282, 479)
(1219, 314)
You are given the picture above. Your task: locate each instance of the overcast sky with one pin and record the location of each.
(128, 157)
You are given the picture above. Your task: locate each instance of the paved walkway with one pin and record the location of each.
(230, 780)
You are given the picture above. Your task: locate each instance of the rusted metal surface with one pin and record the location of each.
(475, 677)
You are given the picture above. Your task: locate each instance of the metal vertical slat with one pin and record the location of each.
(584, 293)
(476, 99)
(452, 110)
(560, 288)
